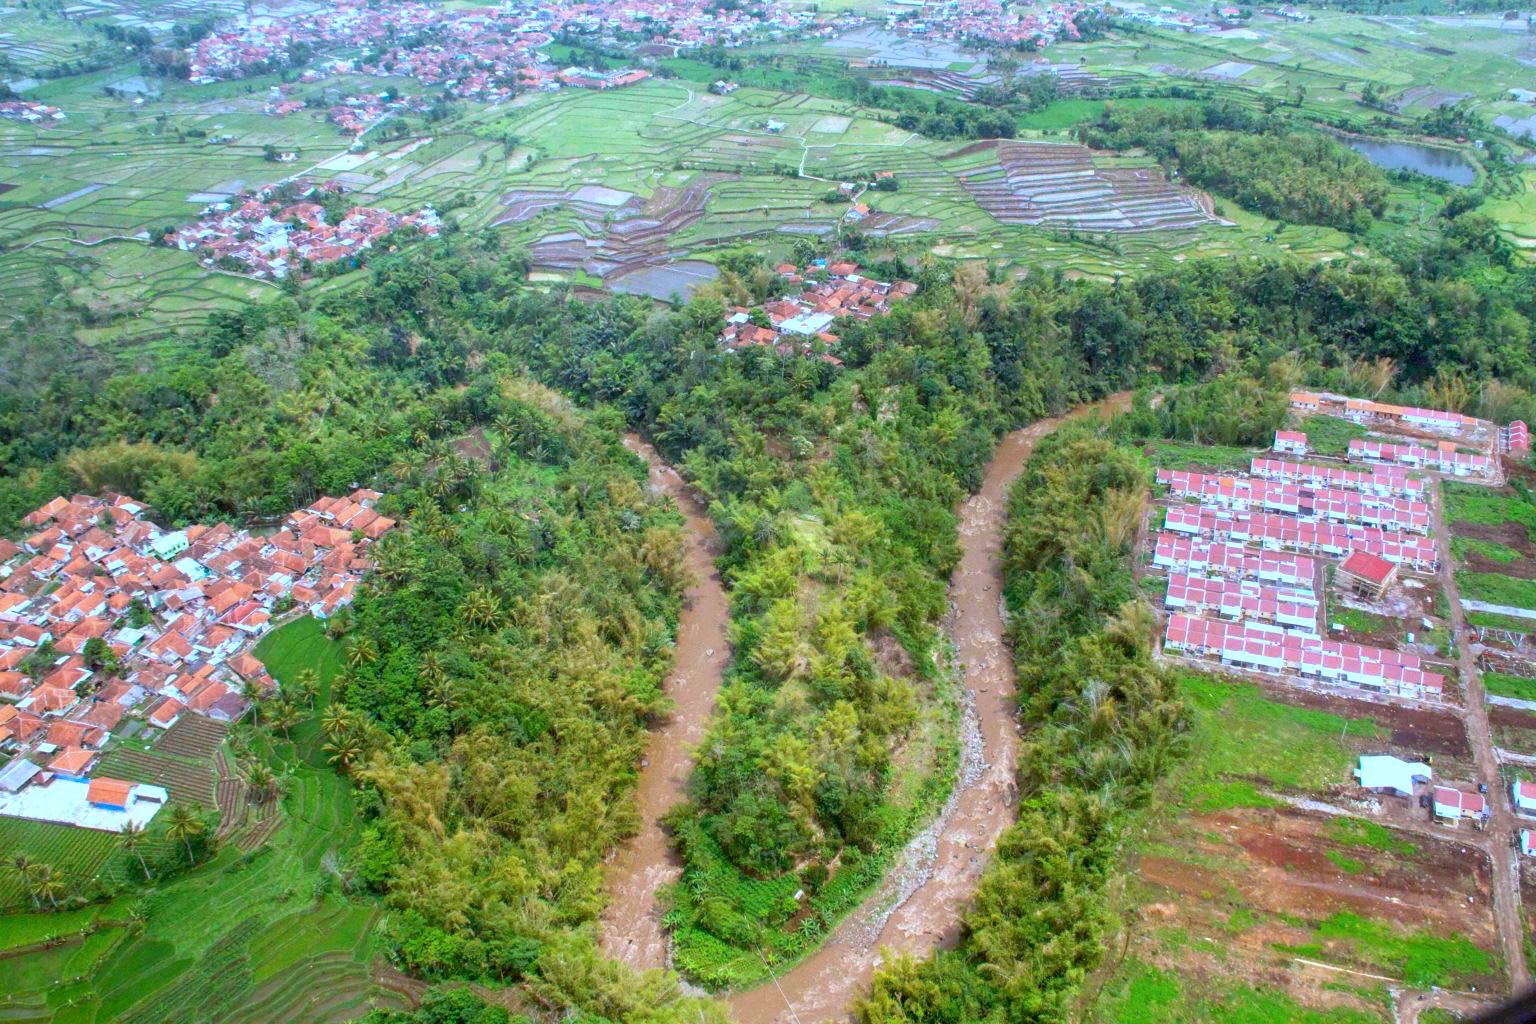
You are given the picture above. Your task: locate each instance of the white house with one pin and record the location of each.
(1524, 795)
(1392, 774)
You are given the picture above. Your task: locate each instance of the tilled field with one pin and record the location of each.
(1058, 185)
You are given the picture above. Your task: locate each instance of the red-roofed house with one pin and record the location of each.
(1367, 574)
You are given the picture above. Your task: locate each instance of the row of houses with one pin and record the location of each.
(1273, 649)
(1230, 559)
(272, 237)
(1242, 493)
(1283, 532)
(793, 324)
(1379, 480)
(1444, 457)
(1242, 599)
(1382, 414)
(104, 615)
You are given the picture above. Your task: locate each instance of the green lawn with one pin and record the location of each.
(1144, 994)
(1462, 547)
(1502, 684)
(1238, 735)
(1496, 589)
(1465, 503)
(1329, 435)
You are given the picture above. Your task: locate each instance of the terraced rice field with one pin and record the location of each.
(1060, 186)
(193, 736)
(186, 781)
(78, 854)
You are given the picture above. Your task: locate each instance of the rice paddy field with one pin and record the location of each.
(641, 189)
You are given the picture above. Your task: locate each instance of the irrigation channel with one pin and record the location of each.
(918, 907)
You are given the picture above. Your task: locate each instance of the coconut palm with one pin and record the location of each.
(261, 781)
(308, 686)
(45, 884)
(336, 720)
(344, 751)
(133, 842)
(362, 651)
(22, 865)
(185, 825)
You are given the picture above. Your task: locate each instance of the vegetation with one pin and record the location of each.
(1503, 684)
(1106, 724)
(1262, 162)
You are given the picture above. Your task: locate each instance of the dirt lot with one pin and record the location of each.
(1237, 895)
(1414, 730)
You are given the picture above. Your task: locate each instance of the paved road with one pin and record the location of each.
(1502, 825)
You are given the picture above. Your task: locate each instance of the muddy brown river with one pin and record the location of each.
(631, 929)
(917, 908)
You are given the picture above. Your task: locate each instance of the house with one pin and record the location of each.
(1367, 575)
(73, 763)
(1383, 773)
(1527, 844)
(109, 794)
(1523, 795)
(17, 774)
(1452, 805)
(167, 714)
(1290, 442)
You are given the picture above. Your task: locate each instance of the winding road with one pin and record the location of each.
(917, 908)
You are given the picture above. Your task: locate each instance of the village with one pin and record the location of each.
(112, 628)
(282, 230)
(484, 53)
(798, 325)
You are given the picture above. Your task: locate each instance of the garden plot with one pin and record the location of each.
(1059, 186)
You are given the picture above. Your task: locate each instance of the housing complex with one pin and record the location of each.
(1254, 560)
(30, 112)
(795, 323)
(109, 623)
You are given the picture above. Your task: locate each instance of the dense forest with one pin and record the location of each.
(1259, 160)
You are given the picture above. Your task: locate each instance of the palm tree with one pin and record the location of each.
(362, 651)
(344, 751)
(260, 779)
(45, 884)
(285, 716)
(481, 608)
(308, 686)
(337, 720)
(22, 865)
(185, 825)
(133, 842)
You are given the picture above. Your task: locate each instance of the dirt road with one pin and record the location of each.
(631, 924)
(918, 907)
(1501, 826)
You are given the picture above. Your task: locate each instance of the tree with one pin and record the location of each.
(261, 781)
(362, 651)
(344, 752)
(133, 842)
(99, 656)
(337, 720)
(44, 883)
(22, 865)
(308, 685)
(184, 826)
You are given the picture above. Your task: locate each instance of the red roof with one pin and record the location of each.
(112, 792)
(1368, 566)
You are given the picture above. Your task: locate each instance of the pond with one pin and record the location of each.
(1445, 164)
